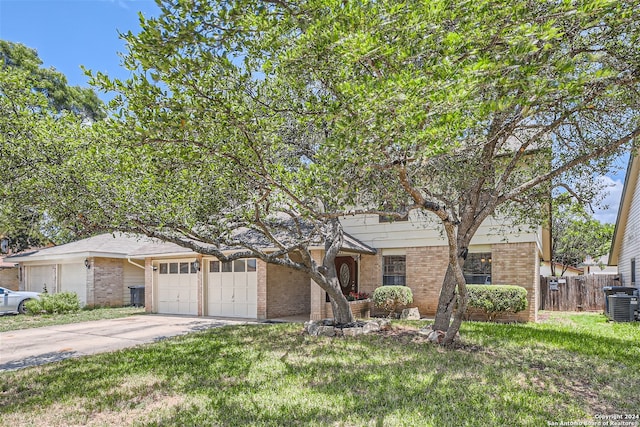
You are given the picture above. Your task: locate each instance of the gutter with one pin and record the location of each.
(133, 263)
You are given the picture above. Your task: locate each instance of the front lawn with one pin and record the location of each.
(580, 368)
(12, 322)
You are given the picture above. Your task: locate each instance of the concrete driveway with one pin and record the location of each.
(37, 346)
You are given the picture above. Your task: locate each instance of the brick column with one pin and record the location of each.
(148, 286)
(200, 285)
(318, 309)
(261, 267)
(518, 264)
(426, 268)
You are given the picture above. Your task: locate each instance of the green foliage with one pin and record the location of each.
(40, 115)
(392, 298)
(497, 299)
(60, 303)
(576, 235)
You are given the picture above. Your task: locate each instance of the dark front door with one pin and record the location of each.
(347, 274)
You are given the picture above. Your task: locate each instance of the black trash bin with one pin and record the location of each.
(616, 290)
(137, 295)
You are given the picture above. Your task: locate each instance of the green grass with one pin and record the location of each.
(10, 322)
(572, 368)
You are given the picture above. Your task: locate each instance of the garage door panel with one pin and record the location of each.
(40, 277)
(232, 294)
(177, 289)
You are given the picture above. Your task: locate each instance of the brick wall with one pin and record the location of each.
(426, 267)
(261, 270)
(108, 282)
(370, 270)
(9, 278)
(288, 292)
(512, 264)
(518, 264)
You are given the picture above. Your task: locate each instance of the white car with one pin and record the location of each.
(13, 301)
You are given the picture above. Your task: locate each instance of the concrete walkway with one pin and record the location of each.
(37, 346)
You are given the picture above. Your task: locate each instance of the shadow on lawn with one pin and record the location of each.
(609, 349)
(274, 375)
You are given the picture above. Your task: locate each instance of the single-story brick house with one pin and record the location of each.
(98, 269)
(376, 253)
(180, 281)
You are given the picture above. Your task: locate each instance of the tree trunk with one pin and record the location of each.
(341, 310)
(327, 277)
(453, 294)
(446, 302)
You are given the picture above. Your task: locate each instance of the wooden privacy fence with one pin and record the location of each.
(578, 293)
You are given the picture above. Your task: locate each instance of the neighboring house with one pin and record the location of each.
(625, 247)
(598, 266)
(8, 274)
(545, 269)
(98, 269)
(376, 252)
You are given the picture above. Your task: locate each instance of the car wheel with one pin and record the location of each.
(21, 308)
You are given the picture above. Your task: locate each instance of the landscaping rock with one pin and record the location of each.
(436, 337)
(384, 324)
(326, 331)
(352, 332)
(321, 328)
(311, 327)
(410, 314)
(370, 327)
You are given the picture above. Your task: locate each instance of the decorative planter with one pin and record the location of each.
(361, 309)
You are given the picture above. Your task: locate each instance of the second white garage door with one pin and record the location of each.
(177, 285)
(232, 289)
(40, 278)
(73, 278)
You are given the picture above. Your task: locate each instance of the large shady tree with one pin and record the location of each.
(37, 107)
(249, 117)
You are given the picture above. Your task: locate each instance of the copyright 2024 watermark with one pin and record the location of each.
(612, 420)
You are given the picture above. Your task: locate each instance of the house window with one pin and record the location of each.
(214, 267)
(163, 268)
(394, 270)
(633, 271)
(477, 268)
(227, 267)
(251, 264)
(173, 268)
(184, 268)
(238, 266)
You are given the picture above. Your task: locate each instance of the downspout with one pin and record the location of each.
(133, 263)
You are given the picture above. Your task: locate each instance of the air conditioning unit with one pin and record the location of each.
(622, 308)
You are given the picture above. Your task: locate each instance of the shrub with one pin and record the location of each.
(497, 299)
(63, 302)
(391, 298)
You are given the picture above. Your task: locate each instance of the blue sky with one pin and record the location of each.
(71, 33)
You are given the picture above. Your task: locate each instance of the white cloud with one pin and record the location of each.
(608, 211)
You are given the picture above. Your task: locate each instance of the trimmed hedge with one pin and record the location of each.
(497, 299)
(391, 298)
(63, 302)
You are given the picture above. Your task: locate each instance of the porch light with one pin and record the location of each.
(87, 263)
(196, 265)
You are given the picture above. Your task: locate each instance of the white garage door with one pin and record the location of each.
(41, 277)
(177, 287)
(73, 278)
(232, 289)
